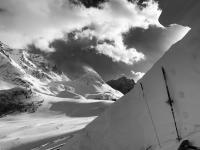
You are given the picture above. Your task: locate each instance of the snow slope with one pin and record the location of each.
(20, 68)
(92, 86)
(138, 121)
(56, 118)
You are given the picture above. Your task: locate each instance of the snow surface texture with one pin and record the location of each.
(56, 118)
(127, 124)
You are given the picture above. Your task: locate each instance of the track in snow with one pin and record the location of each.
(54, 145)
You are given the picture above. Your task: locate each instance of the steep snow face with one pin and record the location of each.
(92, 86)
(10, 71)
(20, 68)
(143, 119)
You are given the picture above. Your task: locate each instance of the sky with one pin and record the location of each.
(114, 37)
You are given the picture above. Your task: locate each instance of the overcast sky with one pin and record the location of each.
(114, 37)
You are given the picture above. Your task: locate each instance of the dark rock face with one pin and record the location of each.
(122, 84)
(17, 100)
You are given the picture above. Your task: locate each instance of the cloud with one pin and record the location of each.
(97, 29)
(41, 22)
(117, 53)
(137, 75)
(72, 55)
(80, 49)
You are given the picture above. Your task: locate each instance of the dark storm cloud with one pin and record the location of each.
(40, 22)
(72, 55)
(97, 3)
(142, 39)
(153, 42)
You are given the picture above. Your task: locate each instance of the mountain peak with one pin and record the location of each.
(122, 84)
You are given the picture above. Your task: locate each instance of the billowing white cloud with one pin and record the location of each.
(26, 21)
(120, 53)
(41, 21)
(137, 75)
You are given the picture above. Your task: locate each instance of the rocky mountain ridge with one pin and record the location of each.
(122, 84)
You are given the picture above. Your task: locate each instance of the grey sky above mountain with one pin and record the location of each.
(112, 36)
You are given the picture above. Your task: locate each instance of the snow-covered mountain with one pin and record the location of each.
(22, 68)
(18, 67)
(143, 119)
(40, 105)
(92, 86)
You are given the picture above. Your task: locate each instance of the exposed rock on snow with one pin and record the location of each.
(17, 100)
(123, 84)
